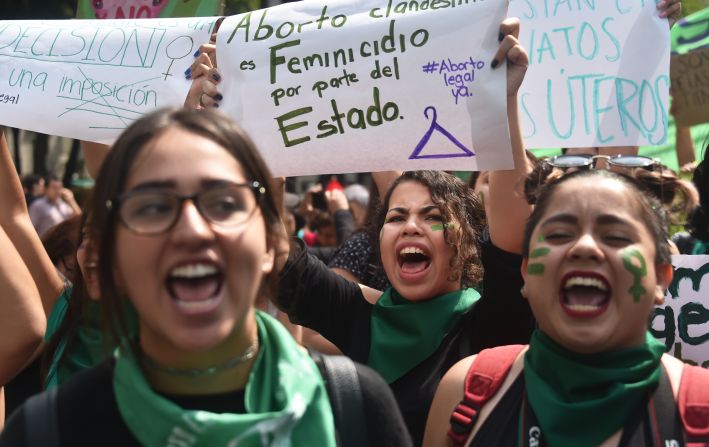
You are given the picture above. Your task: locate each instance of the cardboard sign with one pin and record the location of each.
(353, 85)
(90, 79)
(690, 86)
(598, 74)
(683, 321)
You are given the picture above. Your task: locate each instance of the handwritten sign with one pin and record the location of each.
(147, 9)
(690, 86)
(598, 73)
(683, 321)
(353, 85)
(90, 79)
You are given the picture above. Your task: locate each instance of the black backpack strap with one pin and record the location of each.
(343, 388)
(41, 419)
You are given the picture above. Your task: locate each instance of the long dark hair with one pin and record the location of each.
(112, 179)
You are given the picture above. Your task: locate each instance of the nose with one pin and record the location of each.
(586, 247)
(191, 226)
(411, 226)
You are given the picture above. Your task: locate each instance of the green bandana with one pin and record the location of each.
(404, 333)
(286, 402)
(83, 352)
(581, 400)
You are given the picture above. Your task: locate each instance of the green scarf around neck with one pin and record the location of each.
(285, 398)
(582, 399)
(404, 333)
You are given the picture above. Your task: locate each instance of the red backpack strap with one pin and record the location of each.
(484, 378)
(694, 404)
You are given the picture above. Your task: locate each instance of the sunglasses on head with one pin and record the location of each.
(590, 161)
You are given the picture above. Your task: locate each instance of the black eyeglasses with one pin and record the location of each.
(589, 161)
(155, 211)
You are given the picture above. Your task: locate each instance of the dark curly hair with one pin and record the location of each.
(678, 197)
(457, 202)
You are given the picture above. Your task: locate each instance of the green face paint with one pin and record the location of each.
(638, 271)
(535, 269)
(441, 227)
(538, 252)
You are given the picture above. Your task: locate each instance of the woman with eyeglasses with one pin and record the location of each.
(596, 262)
(187, 228)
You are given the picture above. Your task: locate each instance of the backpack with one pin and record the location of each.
(491, 366)
(338, 373)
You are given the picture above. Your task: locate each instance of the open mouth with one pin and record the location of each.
(413, 260)
(585, 295)
(195, 287)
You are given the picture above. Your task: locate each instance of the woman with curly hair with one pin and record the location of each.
(442, 305)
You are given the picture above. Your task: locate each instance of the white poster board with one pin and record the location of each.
(598, 73)
(90, 79)
(364, 85)
(682, 323)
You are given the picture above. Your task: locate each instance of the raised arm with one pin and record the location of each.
(17, 226)
(508, 210)
(94, 154)
(22, 320)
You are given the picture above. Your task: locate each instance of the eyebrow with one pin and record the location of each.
(171, 184)
(560, 218)
(423, 210)
(603, 219)
(610, 219)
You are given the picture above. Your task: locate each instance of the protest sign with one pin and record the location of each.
(90, 79)
(147, 9)
(598, 73)
(682, 322)
(353, 85)
(690, 87)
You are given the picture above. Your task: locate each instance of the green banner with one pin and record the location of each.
(691, 33)
(147, 9)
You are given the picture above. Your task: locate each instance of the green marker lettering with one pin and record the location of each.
(539, 252)
(441, 227)
(535, 269)
(638, 273)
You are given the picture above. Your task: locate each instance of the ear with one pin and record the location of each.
(663, 276)
(268, 261)
(523, 291)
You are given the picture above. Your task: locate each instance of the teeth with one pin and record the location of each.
(193, 271)
(582, 307)
(410, 251)
(586, 282)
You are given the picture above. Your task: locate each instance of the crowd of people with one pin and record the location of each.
(194, 301)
